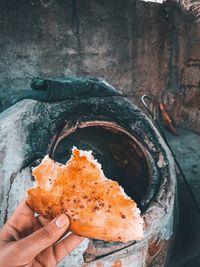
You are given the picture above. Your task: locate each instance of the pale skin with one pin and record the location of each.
(26, 240)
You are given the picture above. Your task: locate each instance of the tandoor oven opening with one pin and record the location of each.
(122, 156)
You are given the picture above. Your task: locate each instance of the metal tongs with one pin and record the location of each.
(155, 120)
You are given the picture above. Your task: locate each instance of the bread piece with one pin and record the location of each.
(97, 207)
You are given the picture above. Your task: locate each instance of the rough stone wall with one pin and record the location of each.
(138, 47)
(186, 110)
(191, 5)
(123, 41)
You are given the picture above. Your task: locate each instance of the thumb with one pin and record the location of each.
(33, 244)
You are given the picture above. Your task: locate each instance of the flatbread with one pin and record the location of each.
(97, 207)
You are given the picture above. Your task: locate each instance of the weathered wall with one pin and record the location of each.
(186, 25)
(136, 46)
(123, 41)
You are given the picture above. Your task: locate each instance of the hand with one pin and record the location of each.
(26, 240)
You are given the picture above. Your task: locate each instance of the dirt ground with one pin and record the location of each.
(186, 252)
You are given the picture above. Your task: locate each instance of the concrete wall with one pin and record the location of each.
(119, 40)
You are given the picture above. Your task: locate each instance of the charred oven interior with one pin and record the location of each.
(122, 156)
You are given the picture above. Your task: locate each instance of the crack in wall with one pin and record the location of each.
(76, 29)
(12, 178)
(173, 73)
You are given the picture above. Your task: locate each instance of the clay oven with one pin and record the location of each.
(91, 114)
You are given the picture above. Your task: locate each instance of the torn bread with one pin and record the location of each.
(97, 207)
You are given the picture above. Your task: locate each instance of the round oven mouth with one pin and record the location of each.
(123, 157)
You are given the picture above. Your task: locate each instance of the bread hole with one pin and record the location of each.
(96, 208)
(73, 186)
(109, 206)
(82, 206)
(85, 197)
(123, 216)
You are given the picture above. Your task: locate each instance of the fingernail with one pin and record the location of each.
(61, 221)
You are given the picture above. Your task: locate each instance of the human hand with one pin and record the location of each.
(26, 240)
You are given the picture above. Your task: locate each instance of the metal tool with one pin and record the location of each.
(143, 98)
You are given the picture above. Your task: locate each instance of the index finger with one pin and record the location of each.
(21, 212)
(22, 219)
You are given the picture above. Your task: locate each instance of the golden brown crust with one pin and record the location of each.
(97, 207)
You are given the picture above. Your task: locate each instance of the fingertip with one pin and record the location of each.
(62, 220)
